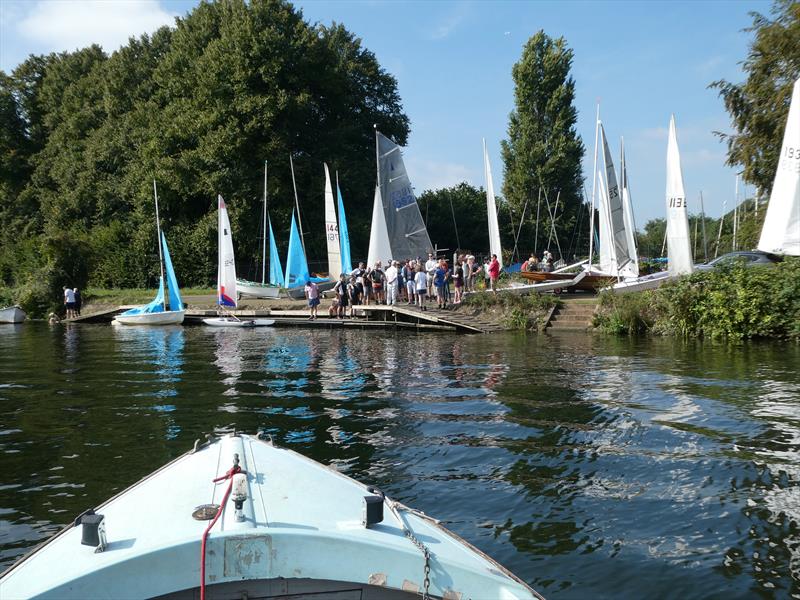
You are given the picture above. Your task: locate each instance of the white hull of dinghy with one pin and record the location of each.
(256, 290)
(299, 530)
(12, 314)
(640, 284)
(232, 322)
(168, 317)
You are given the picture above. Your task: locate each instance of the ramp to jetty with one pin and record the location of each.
(459, 321)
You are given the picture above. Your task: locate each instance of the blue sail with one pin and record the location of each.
(175, 301)
(275, 269)
(344, 235)
(156, 304)
(296, 265)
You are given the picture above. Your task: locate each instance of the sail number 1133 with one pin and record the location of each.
(677, 202)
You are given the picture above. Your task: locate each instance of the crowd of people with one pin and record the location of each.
(413, 282)
(534, 264)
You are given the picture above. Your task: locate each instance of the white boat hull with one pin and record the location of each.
(168, 317)
(640, 284)
(256, 290)
(300, 531)
(12, 314)
(233, 322)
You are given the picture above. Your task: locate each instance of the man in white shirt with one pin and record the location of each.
(69, 302)
(391, 283)
(430, 269)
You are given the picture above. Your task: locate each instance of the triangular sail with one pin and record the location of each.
(491, 209)
(781, 231)
(331, 230)
(296, 265)
(275, 269)
(679, 250)
(156, 305)
(344, 234)
(632, 268)
(620, 255)
(408, 236)
(226, 263)
(379, 246)
(605, 243)
(175, 301)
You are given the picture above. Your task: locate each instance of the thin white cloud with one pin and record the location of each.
(66, 25)
(710, 64)
(435, 175)
(450, 23)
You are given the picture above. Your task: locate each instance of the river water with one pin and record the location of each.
(588, 465)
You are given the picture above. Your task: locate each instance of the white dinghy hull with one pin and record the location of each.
(299, 530)
(256, 290)
(233, 322)
(167, 317)
(12, 314)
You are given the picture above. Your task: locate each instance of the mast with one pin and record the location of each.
(158, 233)
(703, 216)
(594, 181)
(297, 205)
(264, 245)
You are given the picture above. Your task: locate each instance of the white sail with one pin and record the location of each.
(679, 250)
(379, 247)
(632, 268)
(605, 248)
(491, 209)
(226, 264)
(781, 231)
(332, 231)
(620, 255)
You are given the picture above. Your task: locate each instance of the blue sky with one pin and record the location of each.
(453, 61)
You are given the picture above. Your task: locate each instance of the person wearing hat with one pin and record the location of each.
(391, 283)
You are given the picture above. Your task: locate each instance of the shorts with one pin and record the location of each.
(312, 302)
(342, 300)
(377, 287)
(70, 305)
(422, 292)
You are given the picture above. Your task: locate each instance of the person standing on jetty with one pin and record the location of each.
(376, 280)
(69, 302)
(421, 283)
(494, 272)
(312, 294)
(340, 289)
(78, 302)
(430, 269)
(391, 283)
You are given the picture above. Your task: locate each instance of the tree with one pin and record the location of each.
(759, 106)
(456, 218)
(543, 150)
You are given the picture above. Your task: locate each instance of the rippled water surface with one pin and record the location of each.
(590, 466)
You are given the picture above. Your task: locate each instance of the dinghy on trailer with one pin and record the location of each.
(239, 517)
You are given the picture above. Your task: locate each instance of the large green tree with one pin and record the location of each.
(758, 107)
(543, 150)
(198, 107)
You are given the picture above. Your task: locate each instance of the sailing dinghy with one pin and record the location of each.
(12, 314)
(227, 296)
(156, 312)
(265, 289)
(238, 517)
(781, 231)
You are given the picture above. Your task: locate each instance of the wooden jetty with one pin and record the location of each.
(458, 320)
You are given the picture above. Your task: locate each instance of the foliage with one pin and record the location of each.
(544, 151)
(199, 108)
(733, 301)
(518, 312)
(759, 106)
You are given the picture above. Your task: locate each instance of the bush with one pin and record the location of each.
(625, 314)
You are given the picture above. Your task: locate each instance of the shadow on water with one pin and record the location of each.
(590, 466)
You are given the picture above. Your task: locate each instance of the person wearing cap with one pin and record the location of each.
(391, 283)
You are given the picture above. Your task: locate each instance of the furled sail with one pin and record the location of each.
(632, 268)
(296, 265)
(781, 231)
(226, 263)
(402, 221)
(620, 255)
(491, 209)
(331, 231)
(679, 250)
(275, 269)
(344, 234)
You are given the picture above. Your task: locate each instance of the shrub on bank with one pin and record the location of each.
(733, 301)
(518, 312)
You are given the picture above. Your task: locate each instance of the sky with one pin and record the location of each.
(642, 61)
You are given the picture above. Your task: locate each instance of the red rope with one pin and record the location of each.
(229, 475)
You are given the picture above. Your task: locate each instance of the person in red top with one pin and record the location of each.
(494, 272)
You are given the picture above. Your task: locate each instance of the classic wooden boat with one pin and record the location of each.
(12, 314)
(240, 518)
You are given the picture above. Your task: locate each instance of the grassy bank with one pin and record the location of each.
(733, 302)
(519, 313)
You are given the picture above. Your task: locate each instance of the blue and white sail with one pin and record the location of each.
(275, 268)
(296, 265)
(344, 234)
(175, 300)
(226, 262)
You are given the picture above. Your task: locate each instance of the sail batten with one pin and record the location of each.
(679, 251)
(781, 231)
